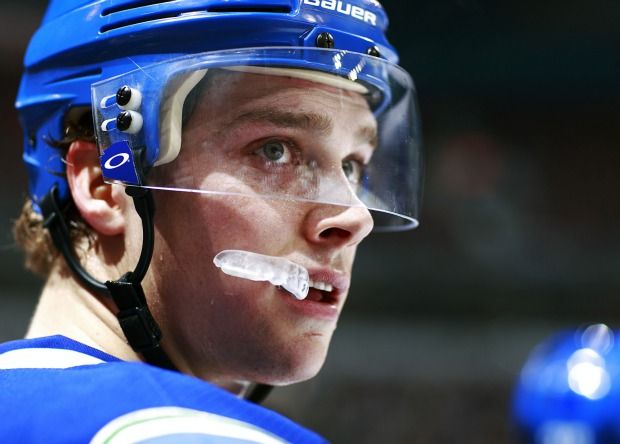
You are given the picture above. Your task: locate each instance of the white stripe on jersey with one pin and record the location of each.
(45, 358)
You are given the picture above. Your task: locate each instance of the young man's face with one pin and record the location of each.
(251, 136)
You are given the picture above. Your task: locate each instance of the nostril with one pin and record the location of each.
(335, 233)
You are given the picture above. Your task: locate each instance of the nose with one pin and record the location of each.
(337, 226)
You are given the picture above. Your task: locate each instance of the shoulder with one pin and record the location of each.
(117, 399)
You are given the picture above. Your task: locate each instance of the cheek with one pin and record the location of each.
(203, 226)
(245, 223)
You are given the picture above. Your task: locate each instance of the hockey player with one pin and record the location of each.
(201, 173)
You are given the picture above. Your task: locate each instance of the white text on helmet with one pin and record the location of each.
(345, 8)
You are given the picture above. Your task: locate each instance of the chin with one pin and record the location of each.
(294, 368)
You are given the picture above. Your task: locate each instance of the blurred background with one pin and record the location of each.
(520, 102)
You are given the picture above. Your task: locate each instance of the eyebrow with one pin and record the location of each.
(369, 133)
(312, 121)
(302, 120)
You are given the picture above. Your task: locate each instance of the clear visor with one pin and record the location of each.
(304, 125)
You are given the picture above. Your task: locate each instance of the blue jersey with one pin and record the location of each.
(57, 390)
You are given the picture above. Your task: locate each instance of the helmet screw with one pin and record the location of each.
(325, 40)
(123, 95)
(128, 98)
(32, 140)
(129, 122)
(373, 51)
(123, 121)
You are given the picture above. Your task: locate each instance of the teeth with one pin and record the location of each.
(323, 286)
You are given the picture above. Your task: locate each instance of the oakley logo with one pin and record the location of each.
(116, 161)
(345, 8)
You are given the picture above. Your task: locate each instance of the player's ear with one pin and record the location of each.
(100, 204)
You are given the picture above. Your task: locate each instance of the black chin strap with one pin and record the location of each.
(259, 393)
(140, 328)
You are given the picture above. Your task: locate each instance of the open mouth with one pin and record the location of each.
(321, 292)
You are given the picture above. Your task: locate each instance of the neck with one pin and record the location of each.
(65, 308)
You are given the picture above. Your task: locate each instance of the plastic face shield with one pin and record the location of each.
(296, 124)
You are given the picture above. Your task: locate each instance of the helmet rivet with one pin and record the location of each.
(373, 51)
(32, 140)
(123, 121)
(123, 95)
(128, 121)
(325, 40)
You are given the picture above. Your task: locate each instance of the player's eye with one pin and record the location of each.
(353, 170)
(275, 151)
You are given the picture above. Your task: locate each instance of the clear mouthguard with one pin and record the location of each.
(259, 267)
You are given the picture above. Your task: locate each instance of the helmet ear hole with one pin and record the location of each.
(78, 122)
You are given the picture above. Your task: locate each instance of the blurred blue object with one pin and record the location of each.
(569, 389)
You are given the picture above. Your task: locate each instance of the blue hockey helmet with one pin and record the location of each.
(134, 63)
(568, 389)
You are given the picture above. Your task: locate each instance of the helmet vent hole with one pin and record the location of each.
(137, 20)
(165, 9)
(126, 6)
(96, 72)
